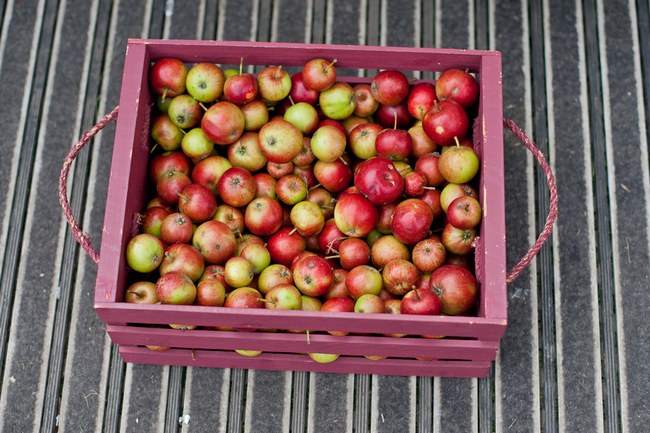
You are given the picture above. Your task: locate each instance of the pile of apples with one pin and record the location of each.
(304, 192)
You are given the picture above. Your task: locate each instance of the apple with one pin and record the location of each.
(215, 241)
(244, 297)
(330, 237)
(277, 170)
(411, 221)
(319, 74)
(458, 241)
(153, 218)
(464, 212)
(210, 292)
(285, 244)
(258, 256)
(246, 153)
(384, 217)
(328, 143)
(291, 189)
(341, 304)
(165, 132)
(422, 144)
(444, 121)
(355, 215)
(170, 185)
(388, 248)
(338, 289)
(197, 202)
(400, 276)
(386, 115)
(334, 176)
(247, 239)
(175, 288)
(214, 272)
(196, 145)
(420, 99)
(263, 216)
(337, 102)
(264, 185)
(352, 121)
(231, 216)
(169, 161)
(208, 171)
(236, 187)
(273, 83)
(390, 87)
(429, 254)
(280, 140)
(283, 297)
(184, 111)
(307, 218)
(362, 140)
(428, 165)
(313, 275)
(303, 116)
(456, 287)
(421, 302)
(378, 180)
(324, 199)
(238, 272)
(452, 191)
(249, 353)
(415, 183)
(205, 81)
(369, 303)
(144, 253)
(353, 252)
(431, 196)
(167, 77)
(458, 164)
(457, 85)
(363, 279)
(256, 114)
(223, 123)
(300, 92)
(366, 103)
(176, 227)
(241, 88)
(182, 258)
(273, 275)
(394, 144)
(324, 358)
(141, 292)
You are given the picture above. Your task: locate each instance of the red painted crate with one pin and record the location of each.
(470, 343)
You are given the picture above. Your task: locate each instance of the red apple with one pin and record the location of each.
(386, 249)
(208, 171)
(283, 297)
(273, 83)
(464, 212)
(362, 140)
(458, 241)
(256, 114)
(420, 99)
(411, 221)
(170, 185)
(366, 103)
(429, 254)
(334, 176)
(353, 252)
(394, 144)
(169, 161)
(452, 191)
(244, 297)
(197, 202)
(215, 241)
(390, 87)
(141, 292)
(223, 123)
(184, 111)
(378, 180)
(284, 245)
(330, 237)
(167, 77)
(355, 215)
(363, 280)
(165, 133)
(313, 275)
(422, 302)
(328, 143)
(428, 165)
(307, 218)
(176, 227)
(236, 187)
(240, 89)
(369, 303)
(300, 92)
(458, 164)
(277, 170)
(459, 86)
(264, 185)
(175, 288)
(319, 74)
(338, 288)
(445, 121)
(153, 218)
(246, 153)
(324, 199)
(400, 276)
(387, 114)
(210, 292)
(415, 183)
(273, 275)
(182, 258)
(291, 189)
(456, 287)
(231, 216)
(422, 144)
(263, 216)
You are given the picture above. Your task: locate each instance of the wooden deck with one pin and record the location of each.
(575, 357)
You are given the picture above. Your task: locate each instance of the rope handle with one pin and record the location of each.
(83, 238)
(80, 236)
(553, 205)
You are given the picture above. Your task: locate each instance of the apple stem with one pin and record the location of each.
(315, 186)
(154, 147)
(430, 187)
(241, 65)
(343, 160)
(308, 338)
(293, 231)
(193, 355)
(203, 106)
(164, 94)
(291, 100)
(395, 121)
(332, 257)
(330, 65)
(135, 293)
(456, 140)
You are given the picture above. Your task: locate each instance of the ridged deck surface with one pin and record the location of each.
(575, 356)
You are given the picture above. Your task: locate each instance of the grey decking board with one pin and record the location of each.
(627, 196)
(424, 401)
(603, 220)
(267, 402)
(329, 409)
(546, 289)
(392, 401)
(580, 395)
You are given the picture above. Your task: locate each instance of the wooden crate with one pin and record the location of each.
(470, 343)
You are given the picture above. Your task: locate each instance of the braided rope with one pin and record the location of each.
(553, 206)
(80, 236)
